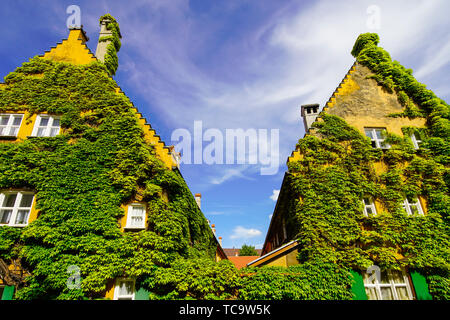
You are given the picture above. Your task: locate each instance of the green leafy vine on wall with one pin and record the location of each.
(81, 178)
(338, 169)
(101, 161)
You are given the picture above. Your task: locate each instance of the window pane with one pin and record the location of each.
(138, 210)
(378, 133)
(13, 131)
(17, 120)
(2, 131)
(55, 123)
(371, 293)
(54, 132)
(44, 122)
(402, 293)
(4, 120)
(369, 210)
(22, 216)
(386, 293)
(136, 221)
(414, 209)
(126, 288)
(369, 133)
(384, 277)
(5, 215)
(10, 200)
(27, 200)
(41, 132)
(367, 201)
(397, 276)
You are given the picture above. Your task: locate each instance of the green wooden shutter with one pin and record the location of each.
(359, 293)
(141, 294)
(8, 293)
(420, 286)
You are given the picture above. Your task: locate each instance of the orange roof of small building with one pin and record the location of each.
(241, 261)
(230, 252)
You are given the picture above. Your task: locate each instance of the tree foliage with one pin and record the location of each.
(248, 250)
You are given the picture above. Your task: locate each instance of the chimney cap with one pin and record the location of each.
(307, 107)
(198, 195)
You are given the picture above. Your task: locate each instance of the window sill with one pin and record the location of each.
(8, 138)
(14, 225)
(134, 228)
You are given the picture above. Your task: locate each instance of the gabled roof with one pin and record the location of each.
(242, 261)
(73, 49)
(273, 254)
(341, 88)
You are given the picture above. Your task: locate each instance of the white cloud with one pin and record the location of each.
(241, 232)
(275, 194)
(230, 173)
(298, 55)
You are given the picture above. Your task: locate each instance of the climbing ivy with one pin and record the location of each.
(101, 161)
(81, 178)
(309, 281)
(337, 170)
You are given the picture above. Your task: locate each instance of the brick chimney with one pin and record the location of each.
(309, 113)
(198, 199)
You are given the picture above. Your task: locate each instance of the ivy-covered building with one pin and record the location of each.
(367, 186)
(92, 202)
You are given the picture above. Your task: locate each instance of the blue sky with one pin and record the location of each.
(232, 64)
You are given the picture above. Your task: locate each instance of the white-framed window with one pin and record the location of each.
(46, 126)
(412, 206)
(136, 216)
(124, 289)
(416, 142)
(369, 207)
(389, 285)
(376, 135)
(15, 208)
(10, 124)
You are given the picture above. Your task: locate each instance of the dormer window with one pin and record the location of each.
(10, 124)
(377, 137)
(46, 126)
(15, 208)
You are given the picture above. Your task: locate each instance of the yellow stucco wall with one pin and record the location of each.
(72, 50)
(283, 260)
